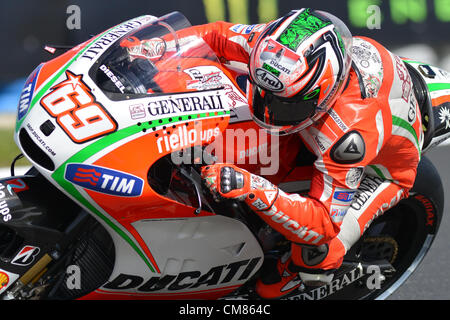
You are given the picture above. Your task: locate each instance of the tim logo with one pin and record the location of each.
(26, 256)
(27, 93)
(104, 180)
(344, 196)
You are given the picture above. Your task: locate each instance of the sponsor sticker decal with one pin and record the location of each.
(6, 279)
(104, 180)
(4, 208)
(234, 97)
(112, 36)
(429, 208)
(205, 82)
(26, 256)
(119, 85)
(217, 275)
(186, 103)
(76, 110)
(268, 80)
(444, 117)
(182, 137)
(27, 94)
(271, 69)
(238, 28)
(343, 197)
(247, 29)
(17, 185)
(336, 285)
(366, 190)
(204, 78)
(137, 111)
(405, 78)
(354, 176)
(337, 213)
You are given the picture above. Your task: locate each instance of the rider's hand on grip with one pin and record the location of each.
(226, 181)
(231, 182)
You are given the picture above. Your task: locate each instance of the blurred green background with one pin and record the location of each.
(8, 149)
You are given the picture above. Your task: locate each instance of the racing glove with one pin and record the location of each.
(231, 182)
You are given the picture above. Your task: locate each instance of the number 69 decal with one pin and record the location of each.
(76, 111)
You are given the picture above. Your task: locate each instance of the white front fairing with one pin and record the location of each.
(193, 254)
(174, 254)
(61, 145)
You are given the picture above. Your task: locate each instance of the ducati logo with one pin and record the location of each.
(222, 275)
(26, 256)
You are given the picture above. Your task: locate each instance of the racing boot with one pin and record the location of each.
(316, 264)
(280, 281)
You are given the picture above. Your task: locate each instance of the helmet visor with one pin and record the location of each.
(276, 111)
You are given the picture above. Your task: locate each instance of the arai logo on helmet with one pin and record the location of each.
(268, 80)
(104, 180)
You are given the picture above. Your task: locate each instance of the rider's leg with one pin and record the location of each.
(367, 205)
(316, 265)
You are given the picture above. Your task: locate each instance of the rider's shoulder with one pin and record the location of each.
(368, 62)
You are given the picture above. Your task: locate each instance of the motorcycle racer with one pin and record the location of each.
(351, 102)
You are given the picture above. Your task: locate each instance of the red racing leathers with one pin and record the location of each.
(367, 146)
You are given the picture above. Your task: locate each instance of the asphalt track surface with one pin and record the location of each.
(431, 279)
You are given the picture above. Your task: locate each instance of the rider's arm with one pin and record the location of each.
(312, 219)
(300, 219)
(229, 41)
